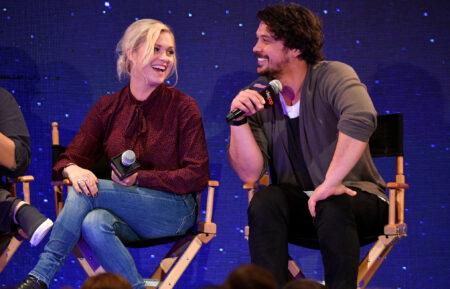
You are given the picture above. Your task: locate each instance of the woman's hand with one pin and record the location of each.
(128, 181)
(82, 180)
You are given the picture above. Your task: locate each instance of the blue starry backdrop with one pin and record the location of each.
(57, 59)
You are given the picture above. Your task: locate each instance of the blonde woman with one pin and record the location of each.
(163, 126)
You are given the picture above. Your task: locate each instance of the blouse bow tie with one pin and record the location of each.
(137, 124)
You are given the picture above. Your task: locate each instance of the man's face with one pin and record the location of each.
(271, 54)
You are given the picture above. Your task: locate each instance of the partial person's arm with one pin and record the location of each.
(348, 152)
(244, 153)
(7, 152)
(15, 152)
(357, 120)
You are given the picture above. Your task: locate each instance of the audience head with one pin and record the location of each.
(142, 32)
(250, 277)
(304, 284)
(106, 281)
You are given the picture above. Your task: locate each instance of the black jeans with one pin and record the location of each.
(7, 204)
(279, 215)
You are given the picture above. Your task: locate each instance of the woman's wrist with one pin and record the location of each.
(64, 171)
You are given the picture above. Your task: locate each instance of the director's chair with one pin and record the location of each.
(386, 141)
(14, 240)
(179, 256)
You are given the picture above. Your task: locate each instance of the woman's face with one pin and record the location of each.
(160, 65)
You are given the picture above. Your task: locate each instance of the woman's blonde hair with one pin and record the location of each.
(141, 32)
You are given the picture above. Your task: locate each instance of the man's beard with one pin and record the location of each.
(275, 72)
(270, 73)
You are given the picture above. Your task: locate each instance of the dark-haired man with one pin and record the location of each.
(326, 192)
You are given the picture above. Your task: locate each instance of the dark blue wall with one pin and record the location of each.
(57, 58)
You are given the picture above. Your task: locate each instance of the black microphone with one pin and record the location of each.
(124, 164)
(267, 91)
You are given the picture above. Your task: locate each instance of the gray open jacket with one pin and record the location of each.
(333, 99)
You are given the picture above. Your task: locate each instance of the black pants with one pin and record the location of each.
(7, 204)
(279, 215)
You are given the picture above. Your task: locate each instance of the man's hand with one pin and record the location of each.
(249, 101)
(325, 190)
(348, 152)
(128, 181)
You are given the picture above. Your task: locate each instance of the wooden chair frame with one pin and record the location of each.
(19, 236)
(393, 231)
(178, 258)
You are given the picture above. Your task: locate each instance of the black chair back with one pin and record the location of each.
(101, 169)
(387, 140)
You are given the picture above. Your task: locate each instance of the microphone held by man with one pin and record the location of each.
(267, 91)
(124, 164)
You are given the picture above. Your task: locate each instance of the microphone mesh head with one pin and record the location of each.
(276, 86)
(128, 158)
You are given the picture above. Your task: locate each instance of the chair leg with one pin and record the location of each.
(11, 248)
(170, 258)
(86, 258)
(294, 270)
(183, 261)
(374, 258)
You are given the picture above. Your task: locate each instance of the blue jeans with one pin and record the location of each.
(117, 213)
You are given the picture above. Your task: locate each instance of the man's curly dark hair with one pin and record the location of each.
(297, 27)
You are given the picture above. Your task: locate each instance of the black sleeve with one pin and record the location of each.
(12, 125)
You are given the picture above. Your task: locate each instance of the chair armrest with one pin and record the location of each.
(396, 224)
(397, 185)
(207, 228)
(25, 180)
(213, 183)
(61, 182)
(263, 181)
(210, 200)
(249, 186)
(21, 179)
(58, 188)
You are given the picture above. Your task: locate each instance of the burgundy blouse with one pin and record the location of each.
(165, 131)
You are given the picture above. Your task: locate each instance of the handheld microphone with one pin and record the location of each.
(124, 164)
(267, 91)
